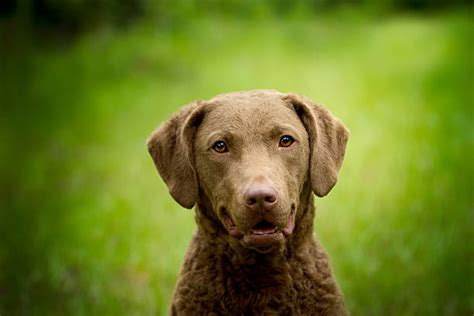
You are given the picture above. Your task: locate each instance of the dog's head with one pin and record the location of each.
(249, 155)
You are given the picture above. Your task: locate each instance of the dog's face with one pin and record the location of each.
(249, 155)
(251, 160)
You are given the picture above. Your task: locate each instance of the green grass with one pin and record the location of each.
(89, 228)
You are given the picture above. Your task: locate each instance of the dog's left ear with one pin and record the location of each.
(327, 137)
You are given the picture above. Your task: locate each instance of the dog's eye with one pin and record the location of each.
(286, 141)
(220, 146)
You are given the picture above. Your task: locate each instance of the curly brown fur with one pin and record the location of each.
(254, 252)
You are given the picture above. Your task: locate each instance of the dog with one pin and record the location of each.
(249, 163)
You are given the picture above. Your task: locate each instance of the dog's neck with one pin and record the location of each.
(215, 235)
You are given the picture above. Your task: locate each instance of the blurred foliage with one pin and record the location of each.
(86, 224)
(73, 16)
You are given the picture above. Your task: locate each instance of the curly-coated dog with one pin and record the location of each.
(249, 163)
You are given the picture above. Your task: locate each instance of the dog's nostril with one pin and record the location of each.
(251, 201)
(270, 198)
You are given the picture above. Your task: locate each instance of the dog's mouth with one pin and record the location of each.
(263, 228)
(264, 234)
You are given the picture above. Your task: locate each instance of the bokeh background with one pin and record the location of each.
(86, 224)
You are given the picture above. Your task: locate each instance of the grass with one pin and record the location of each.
(89, 229)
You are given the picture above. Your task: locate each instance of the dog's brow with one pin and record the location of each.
(218, 135)
(284, 128)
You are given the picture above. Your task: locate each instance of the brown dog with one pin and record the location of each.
(250, 161)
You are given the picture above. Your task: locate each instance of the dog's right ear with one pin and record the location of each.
(171, 148)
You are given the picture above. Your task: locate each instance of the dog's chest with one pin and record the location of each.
(258, 290)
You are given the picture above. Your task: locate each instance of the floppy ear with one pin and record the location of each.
(171, 148)
(327, 137)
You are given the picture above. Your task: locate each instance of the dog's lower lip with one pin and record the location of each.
(262, 241)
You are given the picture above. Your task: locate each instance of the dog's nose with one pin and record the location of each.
(264, 197)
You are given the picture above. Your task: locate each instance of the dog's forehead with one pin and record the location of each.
(247, 113)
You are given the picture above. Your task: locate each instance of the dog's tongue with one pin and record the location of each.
(263, 228)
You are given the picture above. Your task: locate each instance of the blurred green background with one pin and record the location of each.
(86, 224)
